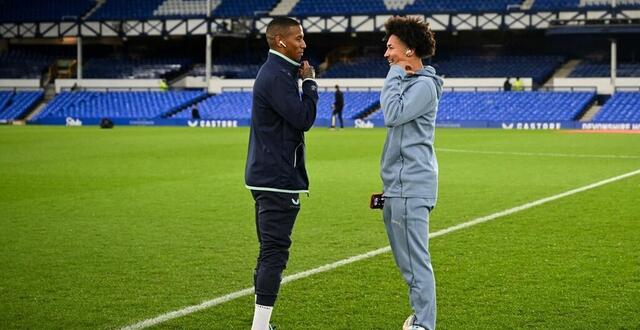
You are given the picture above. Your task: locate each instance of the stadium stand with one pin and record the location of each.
(15, 105)
(118, 104)
(18, 64)
(364, 7)
(227, 105)
(237, 71)
(577, 4)
(137, 69)
(511, 106)
(355, 104)
(43, 10)
(360, 67)
(244, 66)
(539, 68)
(237, 105)
(555, 4)
(126, 9)
(71, 10)
(622, 107)
(182, 8)
(593, 69)
(248, 8)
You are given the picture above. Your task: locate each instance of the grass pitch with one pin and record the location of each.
(104, 228)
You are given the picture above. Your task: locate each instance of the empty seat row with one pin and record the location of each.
(140, 69)
(539, 68)
(237, 105)
(511, 106)
(577, 4)
(43, 10)
(454, 106)
(339, 7)
(15, 105)
(118, 104)
(622, 107)
(591, 69)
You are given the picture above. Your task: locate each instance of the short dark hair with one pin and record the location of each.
(279, 24)
(413, 32)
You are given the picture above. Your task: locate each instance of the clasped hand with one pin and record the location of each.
(307, 71)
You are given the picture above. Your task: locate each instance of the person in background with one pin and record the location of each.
(163, 85)
(517, 85)
(275, 171)
(409, 169)
(507, 85)
(195, 114)
(338, 105)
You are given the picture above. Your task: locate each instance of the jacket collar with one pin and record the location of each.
(285, 62)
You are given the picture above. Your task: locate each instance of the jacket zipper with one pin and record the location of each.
(295, 155)
(401, 159)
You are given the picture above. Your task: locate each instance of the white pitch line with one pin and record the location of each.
(537, 154)
(248, 291)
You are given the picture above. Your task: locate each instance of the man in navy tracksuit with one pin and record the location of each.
(275, 171)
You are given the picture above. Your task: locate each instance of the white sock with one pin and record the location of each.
(261, 317)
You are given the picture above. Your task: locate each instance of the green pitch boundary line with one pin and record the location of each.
(248, 291)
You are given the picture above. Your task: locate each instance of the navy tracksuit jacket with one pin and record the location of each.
(279, 118)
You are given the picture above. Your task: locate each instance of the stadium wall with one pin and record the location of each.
(603, 85)
(19, 84)
(358, 123)
(108, 84)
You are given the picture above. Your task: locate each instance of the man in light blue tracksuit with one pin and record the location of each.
(409, 168)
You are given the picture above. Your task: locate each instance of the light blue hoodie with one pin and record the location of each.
(409, 167)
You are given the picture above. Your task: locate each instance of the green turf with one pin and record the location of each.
(103, 228)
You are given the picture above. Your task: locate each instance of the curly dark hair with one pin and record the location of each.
(413, 32)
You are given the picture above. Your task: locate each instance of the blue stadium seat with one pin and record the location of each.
(139, 69)
(227, 105)
(15, 105)
(360, 67)
(355, 104)
(622, 107)
(555, 4)
(511, 106)
(575, 4)
(366, 7)
(126, 9)
(244, 66)
(20, 64)
(248, 8)
(43, 10)
(593, 69)
(117, 104)
(237, 105)
(539, 68)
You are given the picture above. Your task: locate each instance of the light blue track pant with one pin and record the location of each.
(407, 224)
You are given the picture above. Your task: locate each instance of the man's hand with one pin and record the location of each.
(307, 71)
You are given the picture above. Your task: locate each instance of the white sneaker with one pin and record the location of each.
(416, 327)
(408, 324)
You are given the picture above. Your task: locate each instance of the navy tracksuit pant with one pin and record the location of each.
(275, 215)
